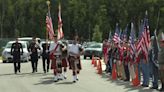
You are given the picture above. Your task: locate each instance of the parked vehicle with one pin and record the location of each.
(6, 53)
(93, 49)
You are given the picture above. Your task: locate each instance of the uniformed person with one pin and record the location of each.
(16, 51)
(75, 50)
(153, 58)
(161, 62)
(45, 56)
(64, 58)
(55, 55)
(126, 58)
(33, 49)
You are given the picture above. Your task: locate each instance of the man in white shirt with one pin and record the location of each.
(55, 55)
(75, 51)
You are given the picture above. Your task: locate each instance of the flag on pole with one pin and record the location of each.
(49, 25)
(116, 37)
(60, 24)
(144, 39)
(132, 43)
(125, 37)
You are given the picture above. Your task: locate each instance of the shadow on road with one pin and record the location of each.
(45, 82)
(23, 74)
(49, 80)
(127, 85)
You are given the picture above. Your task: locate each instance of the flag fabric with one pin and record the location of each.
(139, 45)
(60, 24)
(132, 43)
(125, 34)
(116, 37)
(110, 36)
(49, 26)
(144, 39)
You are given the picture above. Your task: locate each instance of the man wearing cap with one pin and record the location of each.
(161, 62)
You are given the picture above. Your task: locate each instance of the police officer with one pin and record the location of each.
(45, 56)
(16, 51)
(33, 49)
(161, 62)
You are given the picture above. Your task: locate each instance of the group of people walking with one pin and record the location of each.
(56, 55)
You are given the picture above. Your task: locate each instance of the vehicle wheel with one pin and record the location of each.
(100, 57)
(90, 57)
(4, 61)
(85, 57)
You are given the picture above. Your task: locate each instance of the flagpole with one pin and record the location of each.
(48, 5)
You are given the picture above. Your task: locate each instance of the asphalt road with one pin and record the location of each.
(89, 81)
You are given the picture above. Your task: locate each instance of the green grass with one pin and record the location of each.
(0, 58)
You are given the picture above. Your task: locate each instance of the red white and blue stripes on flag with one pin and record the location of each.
(116, 37)
(49, 26)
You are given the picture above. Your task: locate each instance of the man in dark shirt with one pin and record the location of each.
(33, 49)
(45, 56)
(16, 51)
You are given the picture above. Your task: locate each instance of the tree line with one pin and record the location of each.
(87, 18)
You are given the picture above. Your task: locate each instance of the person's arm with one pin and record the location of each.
(21, 47)
(12, 49)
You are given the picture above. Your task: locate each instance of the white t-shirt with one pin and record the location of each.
(53, 46)
(74, 48)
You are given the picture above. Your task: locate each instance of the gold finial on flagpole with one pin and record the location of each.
(48, 3)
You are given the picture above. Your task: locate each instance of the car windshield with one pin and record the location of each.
(9, 45)
(95, 46)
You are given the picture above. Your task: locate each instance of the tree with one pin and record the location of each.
(97, 35)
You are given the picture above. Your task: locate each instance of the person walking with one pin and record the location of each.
(33, 49)
(16, 51)
(45, 57)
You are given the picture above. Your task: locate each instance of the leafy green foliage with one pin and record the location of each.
(27, 17)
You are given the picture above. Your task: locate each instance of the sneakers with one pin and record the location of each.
(64, 75)
(55, 79)
(144, 85)
(75, 78)
(60, 77)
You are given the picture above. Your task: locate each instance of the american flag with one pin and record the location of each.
(60, 24)
(49, 25)
(132, 43)
(144, 39)
(116, 37)
(125, 34)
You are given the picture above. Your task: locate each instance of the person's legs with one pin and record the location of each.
(44, 69)
(126, 72)
(145, 73)
(19, 65)
(15, 67)
(48, 64)
(32, 64)
(155, 77)
(36, 65)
